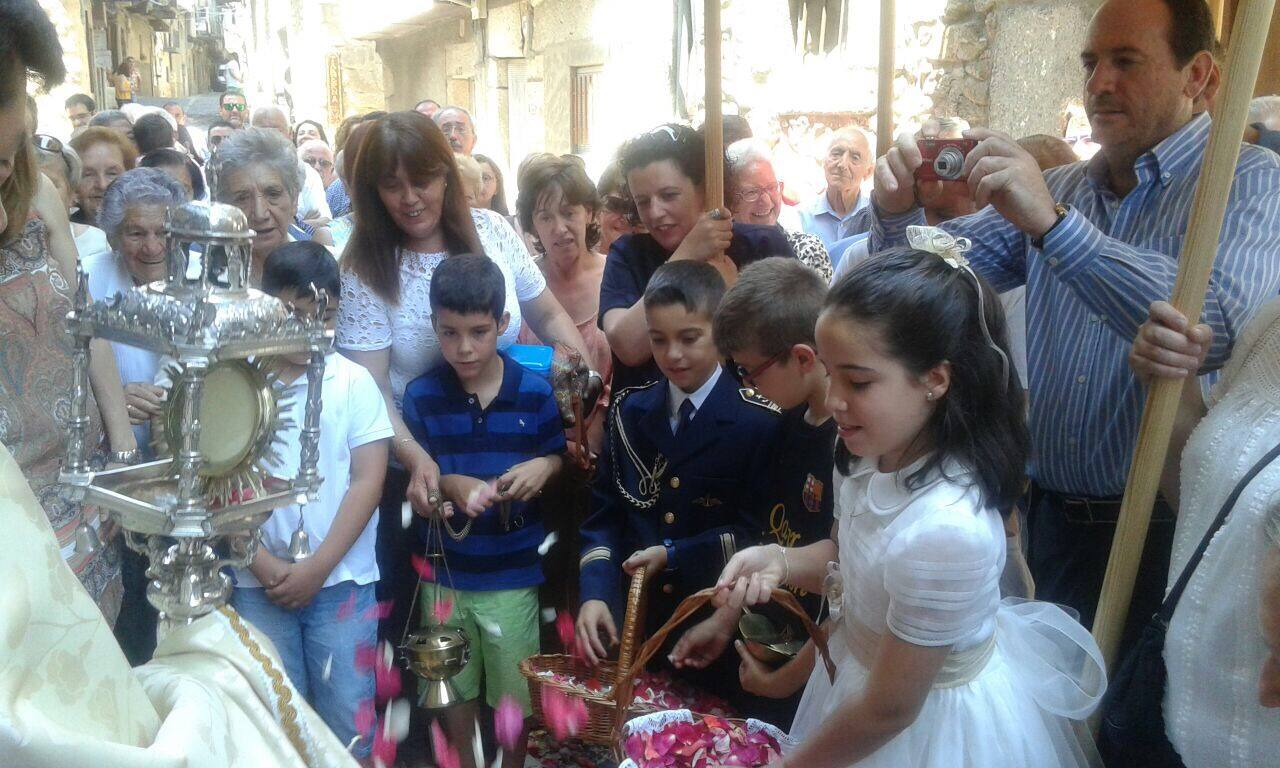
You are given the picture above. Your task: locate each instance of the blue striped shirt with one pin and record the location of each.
(522, 423)
(1089, 289)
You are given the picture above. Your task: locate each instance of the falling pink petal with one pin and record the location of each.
(366, 657)
(384, 748)
(423, 567)
(442, 611)
(446, 756)
(364, 717)
(565, 715)
(508, 722)
(378, 611)
(568, 636)
(347, 608)
(387, 681)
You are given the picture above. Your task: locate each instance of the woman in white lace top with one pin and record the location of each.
(1216, 648)
(411, 213)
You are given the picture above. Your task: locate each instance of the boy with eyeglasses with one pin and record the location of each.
(765, 325)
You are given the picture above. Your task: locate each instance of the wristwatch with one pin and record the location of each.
(671, 554)
(1062, 211)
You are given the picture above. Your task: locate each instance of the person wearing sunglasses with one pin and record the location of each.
(61, 165)
(234, 108)
(664, 171)
(617, 213)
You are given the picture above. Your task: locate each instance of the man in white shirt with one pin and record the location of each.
(847, 165)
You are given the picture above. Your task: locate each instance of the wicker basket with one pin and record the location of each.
(624, 688)
(603, 711)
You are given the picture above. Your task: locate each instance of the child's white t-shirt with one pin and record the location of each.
(354, 413)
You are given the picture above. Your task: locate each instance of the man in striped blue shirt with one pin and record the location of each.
(1095, 244)
(495, 430)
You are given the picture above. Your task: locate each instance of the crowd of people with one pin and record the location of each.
(913, 404)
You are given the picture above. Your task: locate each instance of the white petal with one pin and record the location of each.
(398, 720)
(548, 543)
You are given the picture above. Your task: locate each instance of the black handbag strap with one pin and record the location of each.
(1171, 602)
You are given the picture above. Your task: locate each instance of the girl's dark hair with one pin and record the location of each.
(670, 141)
(539, 175)
(927, 314)
(172, 158)
(320, 128)
(499, 202)
(411, 141)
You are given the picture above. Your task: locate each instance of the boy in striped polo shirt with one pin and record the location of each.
(494, 429)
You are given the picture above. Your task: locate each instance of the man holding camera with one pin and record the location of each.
(1095, 244)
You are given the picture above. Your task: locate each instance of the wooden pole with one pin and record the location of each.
(1248, 39)
(713, 125)
(884, 101)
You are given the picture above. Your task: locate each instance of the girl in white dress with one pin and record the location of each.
(933, 670)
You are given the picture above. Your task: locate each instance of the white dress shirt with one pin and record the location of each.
(676, 397)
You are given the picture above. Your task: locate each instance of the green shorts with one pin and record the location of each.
(503, 629)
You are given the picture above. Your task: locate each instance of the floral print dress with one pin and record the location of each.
(35, 397)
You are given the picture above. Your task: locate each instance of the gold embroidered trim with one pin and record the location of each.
(288, 715)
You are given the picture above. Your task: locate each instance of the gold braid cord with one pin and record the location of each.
(288, 715)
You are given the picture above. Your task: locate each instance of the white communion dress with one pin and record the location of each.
(925, 564)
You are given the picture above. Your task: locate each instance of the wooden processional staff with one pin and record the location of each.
(713, 128)
(1200, 247)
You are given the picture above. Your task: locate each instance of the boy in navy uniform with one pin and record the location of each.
(682, 480)
(765, 324)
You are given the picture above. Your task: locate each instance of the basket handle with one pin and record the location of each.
(631, 620)
(624, 687)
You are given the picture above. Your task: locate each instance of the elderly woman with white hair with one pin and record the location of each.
(60, 163)
(133, 215)
(259, 173)
(754, 196)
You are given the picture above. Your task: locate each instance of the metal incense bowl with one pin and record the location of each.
(766, 642)
(437, 655)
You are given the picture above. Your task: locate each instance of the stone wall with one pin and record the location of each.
(1013, 64)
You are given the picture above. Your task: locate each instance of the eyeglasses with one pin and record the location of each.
(748, 377)
(233, 107)
(46, 143)
(750, 196)
(319, 163)
(622, 206)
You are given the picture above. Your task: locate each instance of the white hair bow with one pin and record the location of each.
(940, 242)
(952, 250)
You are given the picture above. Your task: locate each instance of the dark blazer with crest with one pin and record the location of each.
(705, 492)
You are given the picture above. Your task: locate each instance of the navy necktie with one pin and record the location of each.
(686, 415)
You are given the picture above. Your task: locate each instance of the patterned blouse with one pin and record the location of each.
(35, 398)
(810, 250)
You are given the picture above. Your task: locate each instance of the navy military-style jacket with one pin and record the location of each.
(705, 491)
